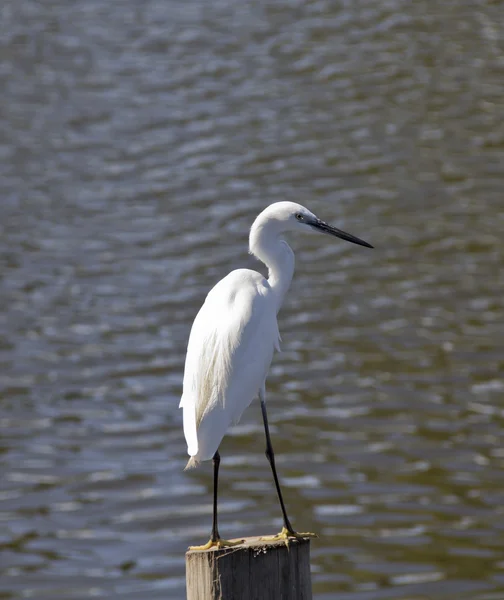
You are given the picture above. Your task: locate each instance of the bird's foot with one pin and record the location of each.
(286, 535)
(218, 544)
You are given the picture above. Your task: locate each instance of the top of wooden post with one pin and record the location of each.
(252, 570)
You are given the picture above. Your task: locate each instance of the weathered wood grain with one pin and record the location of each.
(254, 570)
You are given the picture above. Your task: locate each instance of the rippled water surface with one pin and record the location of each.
(138, 140)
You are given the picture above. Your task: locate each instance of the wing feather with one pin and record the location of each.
(228, 356)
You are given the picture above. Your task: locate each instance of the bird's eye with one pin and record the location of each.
(299, 216)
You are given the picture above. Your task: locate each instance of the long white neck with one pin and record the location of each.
(266, 243)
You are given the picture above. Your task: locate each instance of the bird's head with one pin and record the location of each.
(289, 216)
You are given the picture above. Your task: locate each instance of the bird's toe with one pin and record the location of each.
(218, 544)
(287, 534)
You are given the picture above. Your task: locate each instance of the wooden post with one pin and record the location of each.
(254, 570)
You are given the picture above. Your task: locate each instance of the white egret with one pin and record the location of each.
(232, 341)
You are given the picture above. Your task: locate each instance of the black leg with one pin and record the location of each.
(216, 463)
(271, 458)
(215, 540)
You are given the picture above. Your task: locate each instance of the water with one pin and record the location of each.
(137, 143)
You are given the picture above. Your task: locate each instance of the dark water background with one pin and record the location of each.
(138, 140)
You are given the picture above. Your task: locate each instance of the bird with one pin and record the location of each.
(232, 342)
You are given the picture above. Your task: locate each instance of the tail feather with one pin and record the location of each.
(192, 463)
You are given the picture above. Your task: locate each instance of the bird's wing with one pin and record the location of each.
(230, 349)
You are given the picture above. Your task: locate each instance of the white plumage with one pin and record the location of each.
(228, 356)
(235, 333)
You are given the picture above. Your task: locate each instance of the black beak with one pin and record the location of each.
(325, 228)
